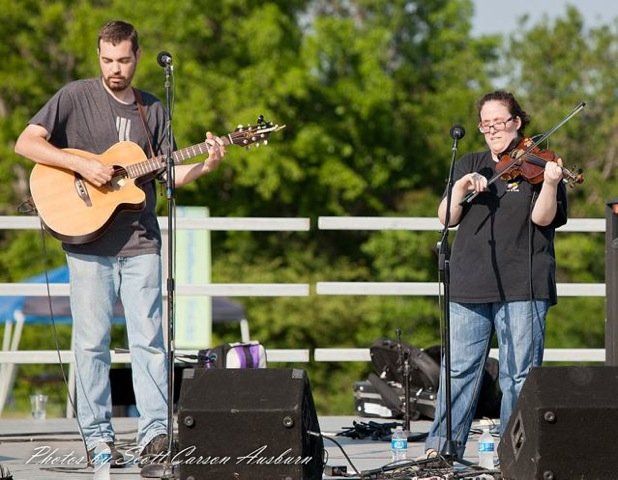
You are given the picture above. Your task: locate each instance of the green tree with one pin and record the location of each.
(553, 66)
(368, 90)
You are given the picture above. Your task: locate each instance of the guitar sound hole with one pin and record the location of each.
(119, 179)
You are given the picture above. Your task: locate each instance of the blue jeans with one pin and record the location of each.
(96, 283)
(520, 328)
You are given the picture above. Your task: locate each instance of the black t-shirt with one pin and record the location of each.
(498, 253)
(83, 115)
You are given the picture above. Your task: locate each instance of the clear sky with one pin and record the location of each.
(495, 16)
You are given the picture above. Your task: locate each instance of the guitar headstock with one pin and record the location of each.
(257, 134)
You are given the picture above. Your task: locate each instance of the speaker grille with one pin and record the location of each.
(562, 427)
(248, 424)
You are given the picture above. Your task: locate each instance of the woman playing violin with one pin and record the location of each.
(502, 269)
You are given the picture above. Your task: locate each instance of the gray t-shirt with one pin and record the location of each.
(83, 115)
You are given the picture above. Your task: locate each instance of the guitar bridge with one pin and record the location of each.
(82, 190)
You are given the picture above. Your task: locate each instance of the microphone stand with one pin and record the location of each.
(165, 471)
(171, 264)
(404, 366)
(449, 451)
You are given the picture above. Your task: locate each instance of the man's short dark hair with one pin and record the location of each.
(118, 31)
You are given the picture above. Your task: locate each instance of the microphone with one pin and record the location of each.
(165, 58)
(457, 132)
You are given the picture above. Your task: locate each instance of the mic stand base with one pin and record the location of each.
(452, 458)
(449, 450)
(449, 453)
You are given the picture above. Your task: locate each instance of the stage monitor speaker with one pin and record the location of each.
(257, 424)
(563, 426)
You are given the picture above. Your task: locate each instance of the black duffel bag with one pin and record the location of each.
(425, 377)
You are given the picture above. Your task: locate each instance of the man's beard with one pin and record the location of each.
(120, 83)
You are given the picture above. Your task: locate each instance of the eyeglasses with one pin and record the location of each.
(498, 126)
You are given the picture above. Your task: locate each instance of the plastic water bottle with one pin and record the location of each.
(102, 462)
(399, 444)
(486, 447)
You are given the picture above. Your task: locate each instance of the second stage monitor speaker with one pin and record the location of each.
(563, 427)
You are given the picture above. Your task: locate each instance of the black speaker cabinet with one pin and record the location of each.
(564, 426)
(248, 424)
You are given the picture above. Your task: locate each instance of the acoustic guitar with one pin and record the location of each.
(75, 211)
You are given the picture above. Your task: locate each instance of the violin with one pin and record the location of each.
(527, 160)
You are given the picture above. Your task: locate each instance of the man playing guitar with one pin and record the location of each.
(123, 258)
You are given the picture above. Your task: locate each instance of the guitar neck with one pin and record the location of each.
(242, 136)
(153, 164)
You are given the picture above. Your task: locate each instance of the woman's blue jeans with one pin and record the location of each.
(96, 283)
(520, 329)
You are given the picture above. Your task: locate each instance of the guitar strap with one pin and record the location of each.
(142, 115)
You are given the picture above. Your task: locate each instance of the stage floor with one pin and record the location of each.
(51, 449)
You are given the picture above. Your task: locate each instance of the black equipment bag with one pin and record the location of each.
(424, 370)
(388, 381)
(369, 402)
(378, 398)
(424, 379)
(490, 395)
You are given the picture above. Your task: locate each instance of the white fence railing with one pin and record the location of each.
(582, 225)
(11, 355)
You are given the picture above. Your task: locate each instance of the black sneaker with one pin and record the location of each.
(155, 451)
(117, 460)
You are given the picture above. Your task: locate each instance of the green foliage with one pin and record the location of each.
(368, 90)
(577, 65)
(579, 258)
(576, 323)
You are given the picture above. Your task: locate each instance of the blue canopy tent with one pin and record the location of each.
(40, 309)
(17, 311)
(37, 309)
